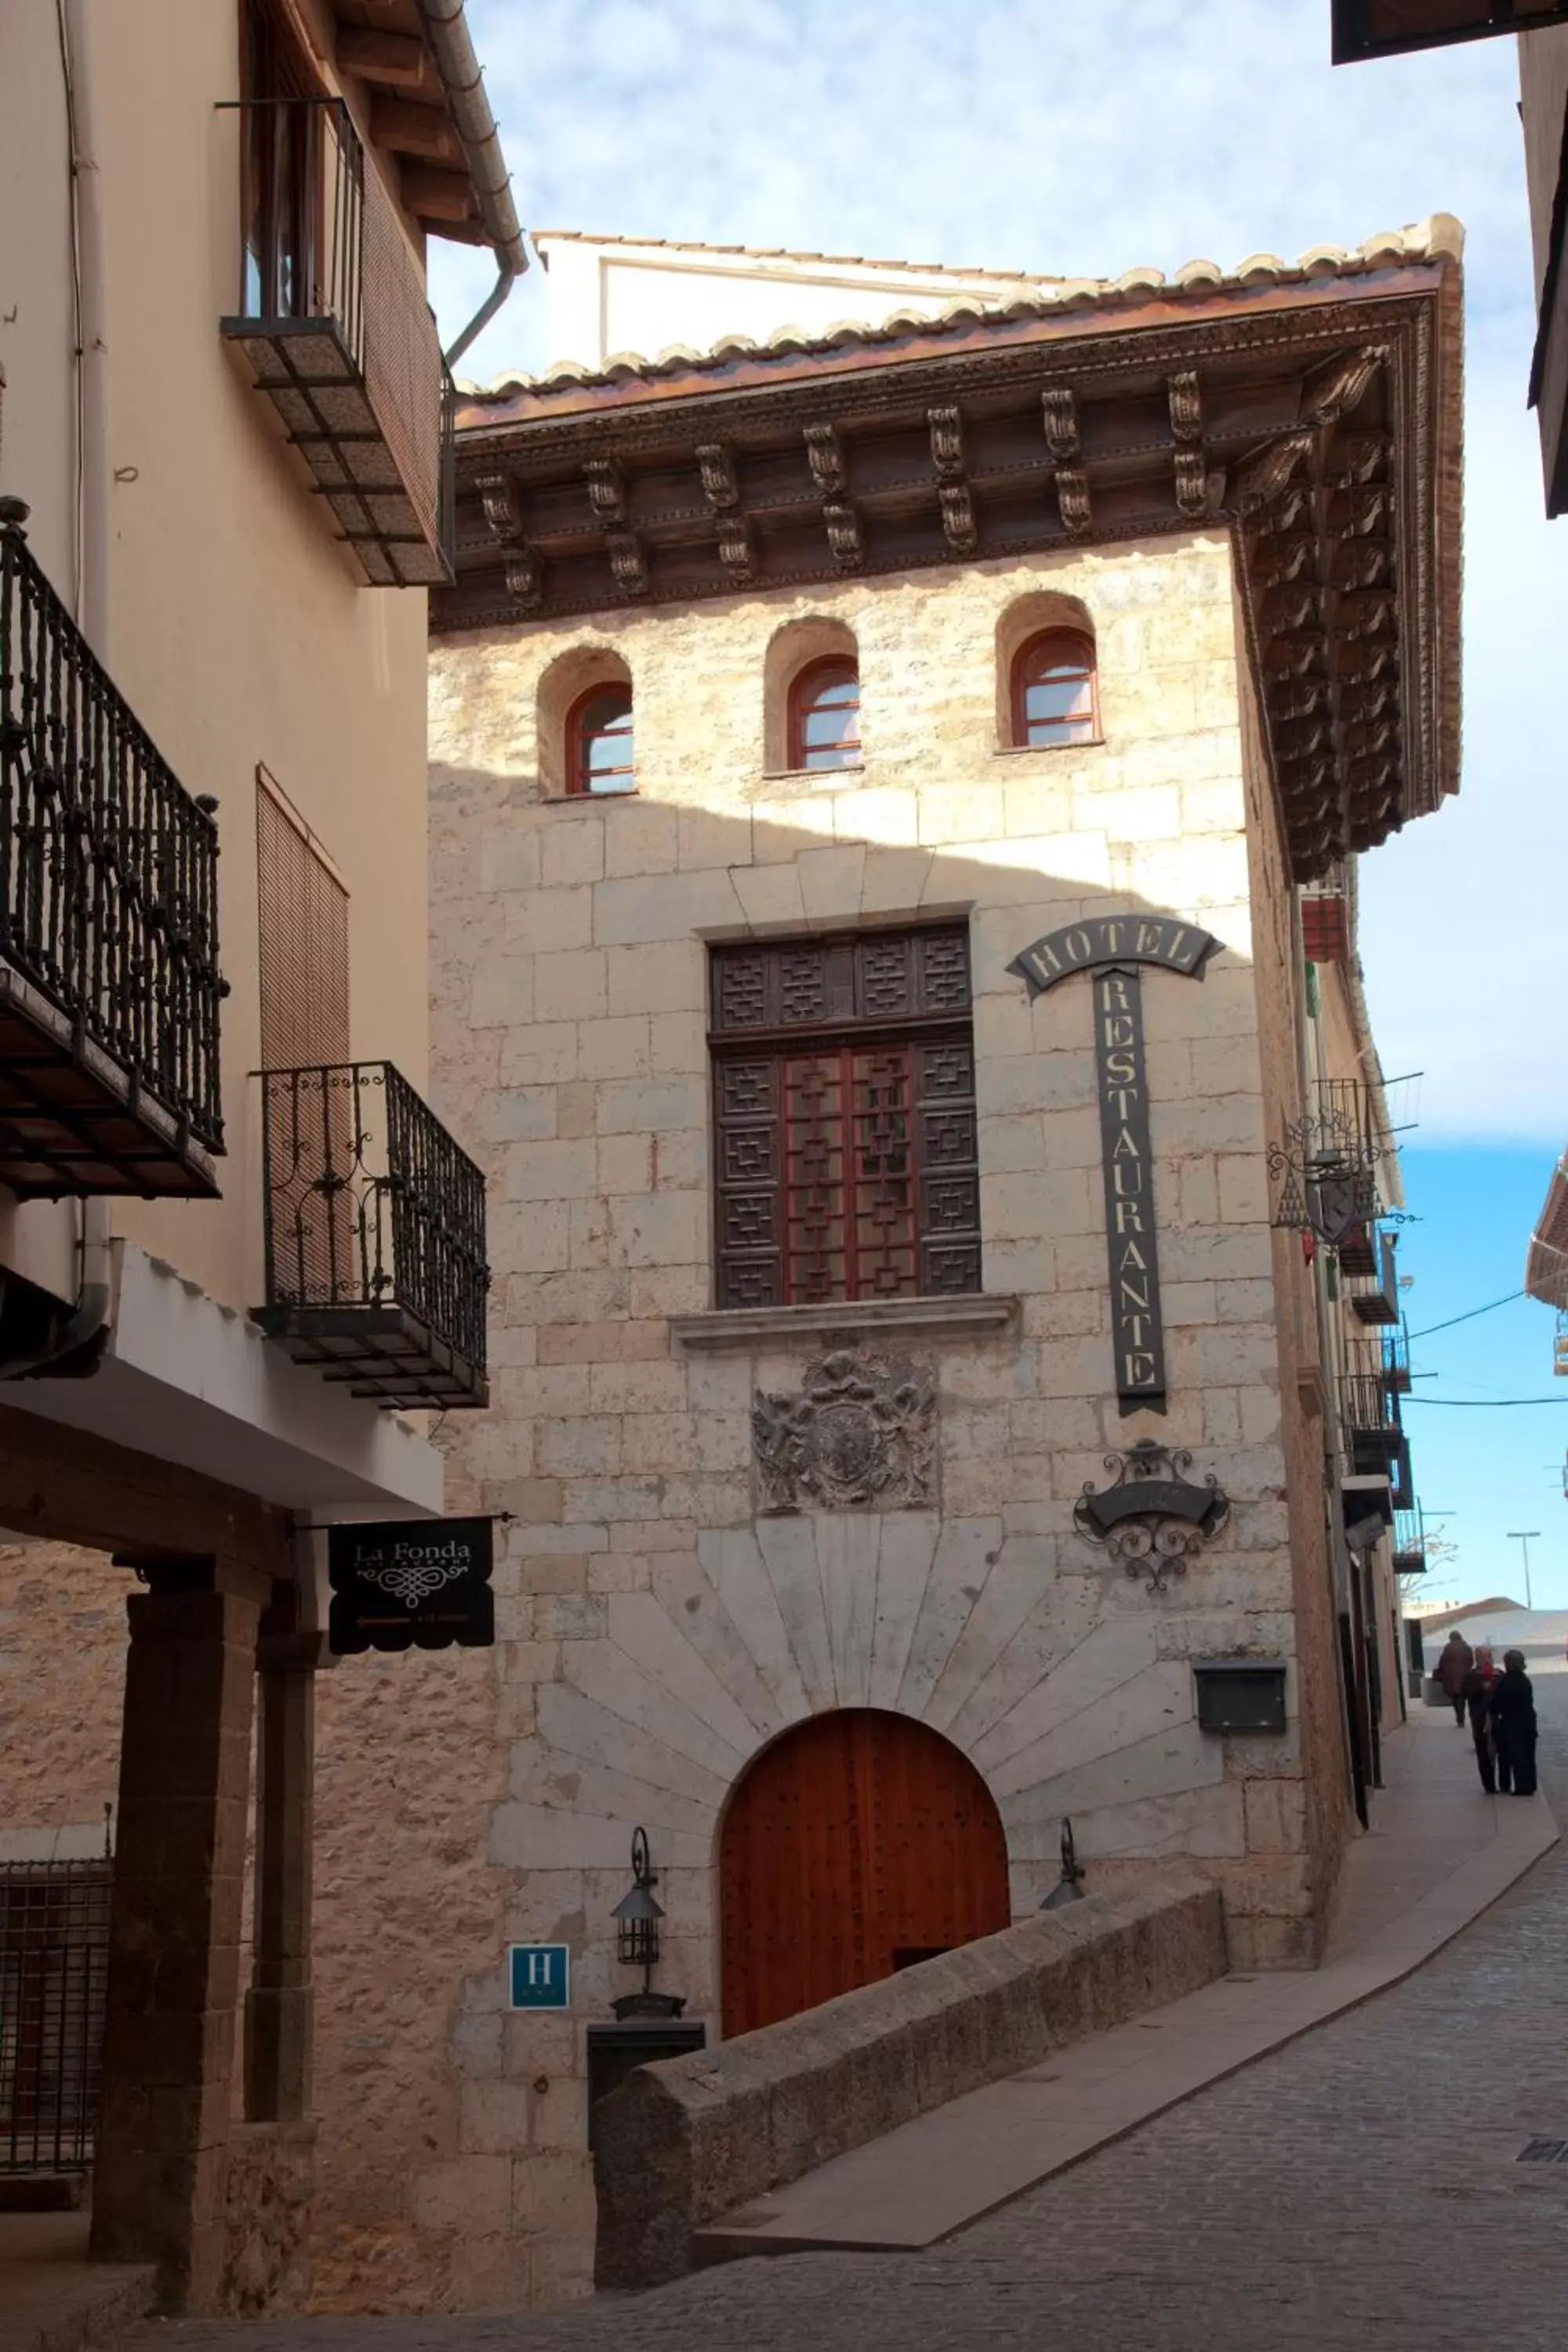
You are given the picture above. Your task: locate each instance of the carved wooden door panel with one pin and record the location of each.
(857, 1842)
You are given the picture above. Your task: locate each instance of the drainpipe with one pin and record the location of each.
(71, 1351)
(447, 36)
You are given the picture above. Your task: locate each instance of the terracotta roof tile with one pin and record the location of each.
(1440, 236)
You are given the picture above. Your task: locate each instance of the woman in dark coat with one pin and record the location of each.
(1479, 1685)
(1513, 1727)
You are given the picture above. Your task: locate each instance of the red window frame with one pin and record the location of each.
(580, 778)
(1070, 650)
(833, 669)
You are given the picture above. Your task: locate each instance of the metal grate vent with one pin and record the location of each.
(1543, 2151)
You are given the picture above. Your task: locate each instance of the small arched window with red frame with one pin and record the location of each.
(825, 714)
(1056, 695)
(599, 743)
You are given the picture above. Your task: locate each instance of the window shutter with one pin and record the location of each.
(303, 918)
(312, 1141)
(749, 1196)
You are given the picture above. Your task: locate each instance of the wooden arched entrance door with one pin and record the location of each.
(857, 1842)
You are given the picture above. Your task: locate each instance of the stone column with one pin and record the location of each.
(174, 1963)
(279, 2004)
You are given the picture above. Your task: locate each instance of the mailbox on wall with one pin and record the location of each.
(1240, 1693)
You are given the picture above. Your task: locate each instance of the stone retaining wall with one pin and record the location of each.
(689, 2139)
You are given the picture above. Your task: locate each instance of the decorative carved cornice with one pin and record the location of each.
(717, 469)
(735, 547)
(1318, 421)
(826, 459)
(628, 562)
(1185, 404)
(946, 441)
(1264, 474)
(1192, 483)
(524, 581)
(607, 490)
(958, 516)
(1332, 392)
(498, 501)
(1072, 499)
(848, 549)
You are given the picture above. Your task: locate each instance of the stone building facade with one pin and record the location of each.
(744, 1503)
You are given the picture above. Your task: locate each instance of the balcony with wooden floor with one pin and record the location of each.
(109, 977)
(375, 1237)
(335, 325)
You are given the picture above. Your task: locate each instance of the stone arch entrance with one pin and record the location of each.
(857, 1842)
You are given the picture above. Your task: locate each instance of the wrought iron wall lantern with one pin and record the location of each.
(636, 1917)
(1068, 1888)
(1151, 1518)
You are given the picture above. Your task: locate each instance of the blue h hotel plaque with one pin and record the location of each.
(1111, 947)
(541, 1976)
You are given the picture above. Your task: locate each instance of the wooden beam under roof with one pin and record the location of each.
(436, 196)
(406, 128)
(393, 61)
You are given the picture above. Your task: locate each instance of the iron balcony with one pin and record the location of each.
(1369, 1415)
(1374, 1297)
(375, 1237)
(335, 326)
(1409, 1542)
(109, 975)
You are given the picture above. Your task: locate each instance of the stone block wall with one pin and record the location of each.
(655, 1631)
(693, 2138)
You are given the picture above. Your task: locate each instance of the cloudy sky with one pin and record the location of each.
(1080, 140)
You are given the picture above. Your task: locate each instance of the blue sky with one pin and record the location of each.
(1023, 133)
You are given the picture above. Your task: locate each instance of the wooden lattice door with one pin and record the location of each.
(859, 1842)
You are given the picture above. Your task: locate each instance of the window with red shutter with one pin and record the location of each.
(844, 1118)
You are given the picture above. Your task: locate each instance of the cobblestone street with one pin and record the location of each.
(1360, 2188)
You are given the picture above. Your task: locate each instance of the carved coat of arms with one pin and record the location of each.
(861, 1435)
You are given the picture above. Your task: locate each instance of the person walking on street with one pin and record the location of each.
(1512, 1705)
(1454, 1663)
(1479, 1684)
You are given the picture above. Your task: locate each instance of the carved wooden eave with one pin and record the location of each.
(1313, 413)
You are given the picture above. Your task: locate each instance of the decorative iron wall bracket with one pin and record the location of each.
(1326, 1166)
(1151, 1518)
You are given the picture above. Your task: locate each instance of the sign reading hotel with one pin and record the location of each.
(1111, 947)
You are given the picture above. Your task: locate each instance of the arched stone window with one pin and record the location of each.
(1047, 685)
(811, 697)
(1054, 698)
(586, 709)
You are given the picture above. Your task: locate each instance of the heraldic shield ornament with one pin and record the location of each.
(859, 1435)
(1151, 1518)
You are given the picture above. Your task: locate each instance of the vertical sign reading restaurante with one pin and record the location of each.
(1111, 948)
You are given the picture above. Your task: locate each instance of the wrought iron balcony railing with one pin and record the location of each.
(1369, 1416)
(1409, 1542)
(335, 325)
(109, 973)
(374, 1236)
(1374, 1296)
(1396, 1358)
